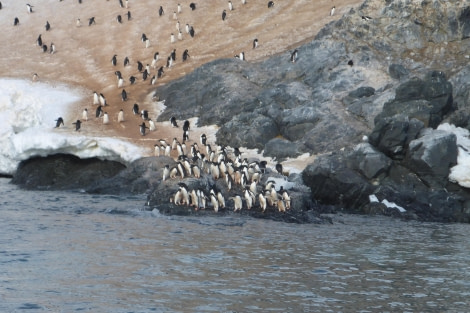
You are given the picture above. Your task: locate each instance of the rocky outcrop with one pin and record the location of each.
(63, 172)
(364, 96)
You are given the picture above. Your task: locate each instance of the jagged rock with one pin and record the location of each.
(431, 155)
(398, 71)
(391, 135)
(368, 161)
(281, 149)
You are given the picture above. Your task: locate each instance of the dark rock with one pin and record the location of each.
(431, 156)
(63, 172)
(398, 71)
(362, 92)
(281, 149)
(368, 161)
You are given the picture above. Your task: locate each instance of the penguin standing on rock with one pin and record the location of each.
(293, 56)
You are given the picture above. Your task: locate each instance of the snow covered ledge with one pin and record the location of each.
(27, 118)
(460, 173)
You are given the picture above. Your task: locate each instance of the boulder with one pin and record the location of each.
(432, 155)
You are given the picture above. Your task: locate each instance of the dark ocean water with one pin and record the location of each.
(73, 252)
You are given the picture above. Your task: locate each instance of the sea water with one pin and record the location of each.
(76, 252)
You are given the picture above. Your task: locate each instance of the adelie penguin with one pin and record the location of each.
(47, 26)
(59, 121)
(119, 19)
(77, 125)
(293, 56)
(270, 4)
(29, 8)
(132, 80)
(173, 121)
(126, 61)
(185, 55)
(91, 21)
(224, 15)
(255, 43)
(135, 109)
(39, 41)
(124, 95)
(143, 127)
(160, 11)
(192, 5)
(16, 22)
(99, 111)
(114, 60)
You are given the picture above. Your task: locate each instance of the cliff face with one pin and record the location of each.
(366, 96)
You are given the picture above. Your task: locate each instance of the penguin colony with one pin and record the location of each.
(240, 178)
(130, 70)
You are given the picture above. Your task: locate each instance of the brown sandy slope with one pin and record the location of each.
(83, 54)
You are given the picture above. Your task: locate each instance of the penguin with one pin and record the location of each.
(270, 4)
(174, 15)
(126, 61)
(173, 121)
(121, 4)
(173, 55)
(243, 1)
(52, 48)
(91, 21)
(114, 60)
(192, 5)
(145, 75)
(143, 37)
(124, 95)
(332, 11)
(186, 125)
(39, 41)
(203, 139)
(144, 114)
(105, 118)
(180, 35)
(169, 62)
(118, 74)
(135, 109)
(262, 202)
(156, 55)
(237, 203)
(121, 116)
(242, 56)
(255, 43)
(99, 111)
(127, 4)
(187, 28)
(143, 127)
(44, 48)
(180, 9)
(0, 5)
(147, 43)
(214, 202)
(160, 72)
(132, 80)
(279, 168)
(185, 135)
(172, 38)
(35, 77)
(29, 8)
(224, 15)
(77, 125)
(350, 62)
(129, 15)
(160, 11)
(78, 23)
(191, 31)
(293, 56)
(96, 99)
(166, 172)
(119, 19)
(16, 22)
(85, 114)
(178, 26)
(47, 26)
(152, 125)
(366, 18)
(140, 66)
(102, 100)
(120, 82)
(153, 81)
(185, 55)
(59, 121)
(230, 6)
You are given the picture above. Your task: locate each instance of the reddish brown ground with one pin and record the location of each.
(83, 54)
